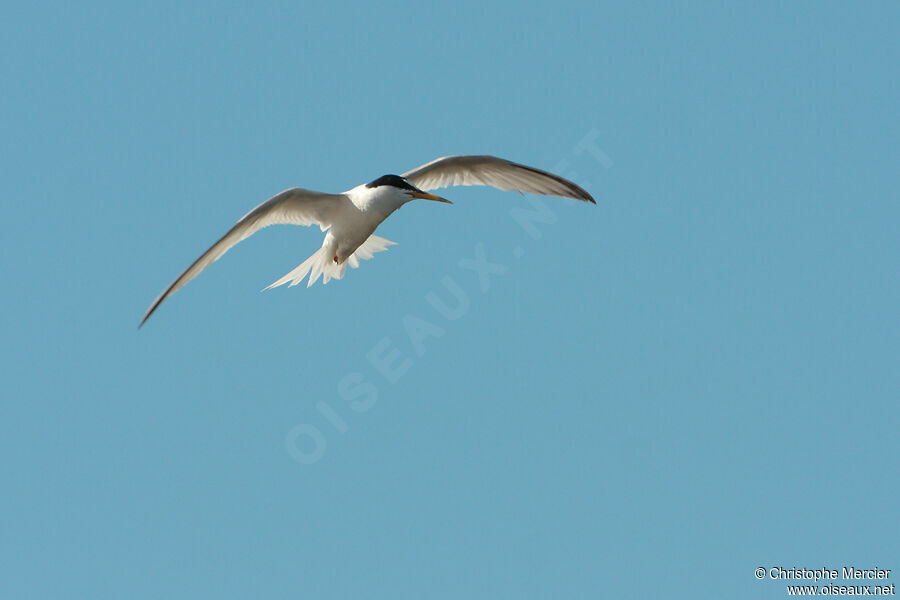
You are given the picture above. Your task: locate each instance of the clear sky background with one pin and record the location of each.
(659, 394)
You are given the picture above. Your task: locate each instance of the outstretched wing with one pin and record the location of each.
(495, 172)
(291, 207)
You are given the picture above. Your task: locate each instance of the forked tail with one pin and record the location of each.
(322, 263)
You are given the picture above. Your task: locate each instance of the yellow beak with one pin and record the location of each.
(427, 196)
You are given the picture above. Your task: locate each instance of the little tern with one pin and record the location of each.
(351, 218)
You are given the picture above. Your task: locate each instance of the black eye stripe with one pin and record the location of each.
(393, 181)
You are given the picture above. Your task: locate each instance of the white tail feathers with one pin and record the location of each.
(322, 263)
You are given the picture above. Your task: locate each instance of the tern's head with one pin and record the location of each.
(404, 187)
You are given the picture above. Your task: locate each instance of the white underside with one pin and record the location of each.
(322, 263)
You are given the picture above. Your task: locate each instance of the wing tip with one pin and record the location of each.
(159, 300)
(147, 316)
(578, 192)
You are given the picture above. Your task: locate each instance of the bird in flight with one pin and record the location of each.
(351, 218)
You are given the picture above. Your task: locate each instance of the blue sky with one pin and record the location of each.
(651, 396)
